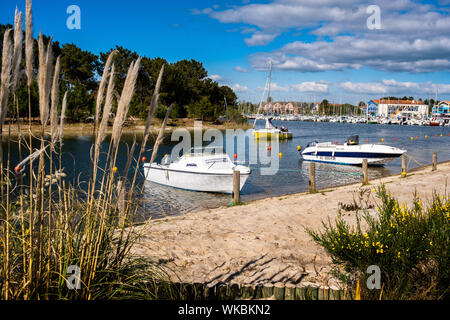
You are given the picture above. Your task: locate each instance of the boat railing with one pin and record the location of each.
(206, 150)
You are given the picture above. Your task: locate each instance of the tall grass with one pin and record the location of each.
(49, 226)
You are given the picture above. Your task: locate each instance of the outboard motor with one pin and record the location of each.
(353, 140)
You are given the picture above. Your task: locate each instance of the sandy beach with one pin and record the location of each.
(265, 241)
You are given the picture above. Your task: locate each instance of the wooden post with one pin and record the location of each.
(236, 187)
(258, 295)
(404, 169)
(267, 292)
(364, 168)
(289, 293)
(434, 168)
(234, 291)
(300, 294)
(312, 177)
(199, 291)
(278, 292)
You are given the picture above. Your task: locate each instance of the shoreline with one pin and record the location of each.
(138, 126)
(264, 241)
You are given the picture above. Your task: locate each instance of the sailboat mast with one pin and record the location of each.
(264, 91)
(269, 79)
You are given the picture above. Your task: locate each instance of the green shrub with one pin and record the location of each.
(410, 245)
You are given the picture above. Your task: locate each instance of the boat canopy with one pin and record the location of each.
(353, 140)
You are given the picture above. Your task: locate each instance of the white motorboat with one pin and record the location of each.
(202, 169)
(350, 153)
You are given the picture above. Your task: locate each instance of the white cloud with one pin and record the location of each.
(240, 69)
(260, 39)
(390, 86)
(238, 88)
(303, 87)
(413, 38)
(313, 86)
(216, 77)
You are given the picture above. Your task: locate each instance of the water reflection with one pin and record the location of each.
(291, 176)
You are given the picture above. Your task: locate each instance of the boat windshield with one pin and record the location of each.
(206, 151)
(312, 144)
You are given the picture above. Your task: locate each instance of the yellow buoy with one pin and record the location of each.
(299, 148)
(426, 136)
(115, 169)
(280, 155)
(412, 138)
(382, 139)
(441, 134)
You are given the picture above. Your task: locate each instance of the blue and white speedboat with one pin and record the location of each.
(350, 153)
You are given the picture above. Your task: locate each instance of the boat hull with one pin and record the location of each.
(347, 160)
(352, 155)
(193, 181)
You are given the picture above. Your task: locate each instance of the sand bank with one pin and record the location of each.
(265, 241)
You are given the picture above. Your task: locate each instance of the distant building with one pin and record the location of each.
(393, 108)
(442, 109)
(287, 107)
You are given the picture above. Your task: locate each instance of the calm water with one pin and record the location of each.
(292, 175)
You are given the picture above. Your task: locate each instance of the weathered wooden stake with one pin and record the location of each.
(404, 170)
(434, 168)
(267, 291)
(300, 294)
(278, 292)
(289, 293)
(364, 169)
(312, 177)
(236, 187)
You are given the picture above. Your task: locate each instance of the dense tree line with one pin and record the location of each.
(185, 84)
(327, 108)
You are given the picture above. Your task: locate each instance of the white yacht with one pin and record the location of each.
(202, 169)
(350, 153)
(271, 131)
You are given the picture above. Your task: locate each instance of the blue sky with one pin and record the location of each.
(320, 48)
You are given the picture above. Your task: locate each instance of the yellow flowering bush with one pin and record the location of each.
(409, 244)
